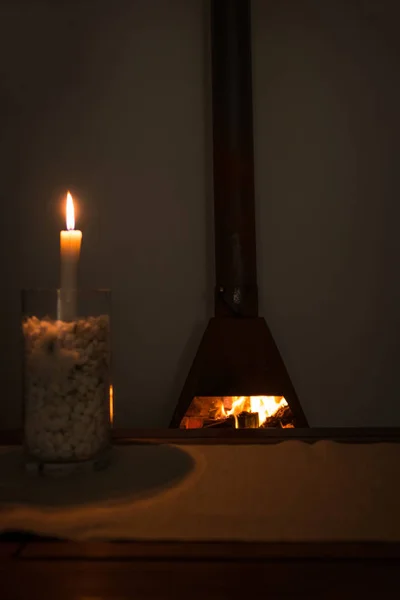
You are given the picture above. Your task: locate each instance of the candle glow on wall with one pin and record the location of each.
(111, 399)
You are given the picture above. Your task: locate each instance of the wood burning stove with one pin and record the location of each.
(238, 378)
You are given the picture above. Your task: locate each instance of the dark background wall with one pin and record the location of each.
(111, 100)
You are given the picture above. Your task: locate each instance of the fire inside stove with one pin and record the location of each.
(238, 412)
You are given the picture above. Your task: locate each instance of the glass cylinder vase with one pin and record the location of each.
(67, 376)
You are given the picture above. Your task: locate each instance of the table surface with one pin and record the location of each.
(32, 566)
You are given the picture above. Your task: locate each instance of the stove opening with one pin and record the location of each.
(238, 412)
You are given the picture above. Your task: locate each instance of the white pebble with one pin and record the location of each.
(58, 439)
(66, 401)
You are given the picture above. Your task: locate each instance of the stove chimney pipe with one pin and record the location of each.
(234, 213)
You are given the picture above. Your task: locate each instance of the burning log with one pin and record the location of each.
(245, 420)
(205, 423)
(248, 420)
(282, 418)
(205, 407)
(225, 423)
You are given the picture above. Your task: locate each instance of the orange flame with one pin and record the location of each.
(265, 406)
(70, 213)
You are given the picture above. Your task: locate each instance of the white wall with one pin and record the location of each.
(327, 97)
(107, 98)
(111, 99)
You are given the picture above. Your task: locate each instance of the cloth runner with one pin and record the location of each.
(290, 491)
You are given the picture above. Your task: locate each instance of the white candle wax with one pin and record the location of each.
(70, 249)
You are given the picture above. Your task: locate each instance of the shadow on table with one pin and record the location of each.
(135, 472)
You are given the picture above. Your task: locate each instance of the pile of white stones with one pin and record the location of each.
(66, 388)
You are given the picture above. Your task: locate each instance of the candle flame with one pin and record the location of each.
(111, 396)
(70, 213)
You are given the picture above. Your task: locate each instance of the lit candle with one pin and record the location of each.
(70, 249)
